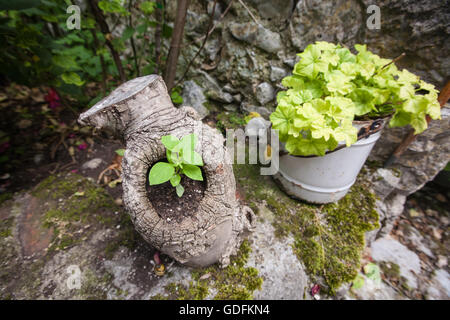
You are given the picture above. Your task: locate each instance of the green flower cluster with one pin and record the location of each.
(330, 86)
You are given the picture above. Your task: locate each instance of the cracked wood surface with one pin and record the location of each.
(140, 112)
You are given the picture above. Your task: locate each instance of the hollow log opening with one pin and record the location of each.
(168, 205)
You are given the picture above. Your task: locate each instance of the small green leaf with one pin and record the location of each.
(193, 172)
(176, 98)
(187, 143)
(192, 157)
(160, 173)
(120, 152)
(111, 6)
(142, 28)
(72, 78)
(358, 282)
(147, 7)
(170, 142)
(127, 33)
(175, 180)
(180, 190)
(372, 272)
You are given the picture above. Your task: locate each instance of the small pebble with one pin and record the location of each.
(442, 261)
(441, 197)
(437, 233)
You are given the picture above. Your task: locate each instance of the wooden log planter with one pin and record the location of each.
(140, 112)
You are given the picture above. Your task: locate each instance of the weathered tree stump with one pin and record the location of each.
(140, 112)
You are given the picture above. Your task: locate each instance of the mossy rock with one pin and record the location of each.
(66, 219)
(235, 282)
(328, 239)
(229, 120)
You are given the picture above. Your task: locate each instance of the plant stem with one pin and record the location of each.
(158, 31)
(100, 18)
(130, 24)
(177, 37)
(249, 12)
(393, 61)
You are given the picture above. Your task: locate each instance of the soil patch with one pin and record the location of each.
(169, 206)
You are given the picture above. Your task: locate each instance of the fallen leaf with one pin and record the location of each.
(413, 213)
(205, 276)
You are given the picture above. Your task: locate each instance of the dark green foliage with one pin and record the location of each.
(39, 49)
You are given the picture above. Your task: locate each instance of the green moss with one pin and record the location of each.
(128, 237)
(229, 120)
(235, 282)
(158, 297)
(391, 271)
(5, 196)
(6, 227)
(195, 291)
(329, 239)
(93, 287)
(374, 164)
(73, 202)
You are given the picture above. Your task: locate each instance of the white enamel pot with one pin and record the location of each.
(327, 178)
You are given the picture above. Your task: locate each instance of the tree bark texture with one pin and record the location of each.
(140, 112)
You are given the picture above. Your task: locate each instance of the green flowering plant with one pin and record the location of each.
(330, 87)
(182, 159)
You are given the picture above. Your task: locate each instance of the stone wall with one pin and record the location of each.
(244, 60)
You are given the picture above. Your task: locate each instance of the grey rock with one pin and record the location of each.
(257, 35)
(220, 96)
(439, 288)
(212, 47)
(389, 212)
(255, 125)
(237, 98)
(284, 277)
(264, 93)
(418, 241)
(442, 261)
(372, 290)
(229, 88)
(193, 96)
(420, 163)
(38, 158)
(390, 250)
(92, 164)
(263, 111)
(276, 74)
(384, 182)
(217, 10)
(423, 34)
(212, 88)
(290, 62)
(231, 107)
(196, 23)
(340, 21)
(274, 10)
